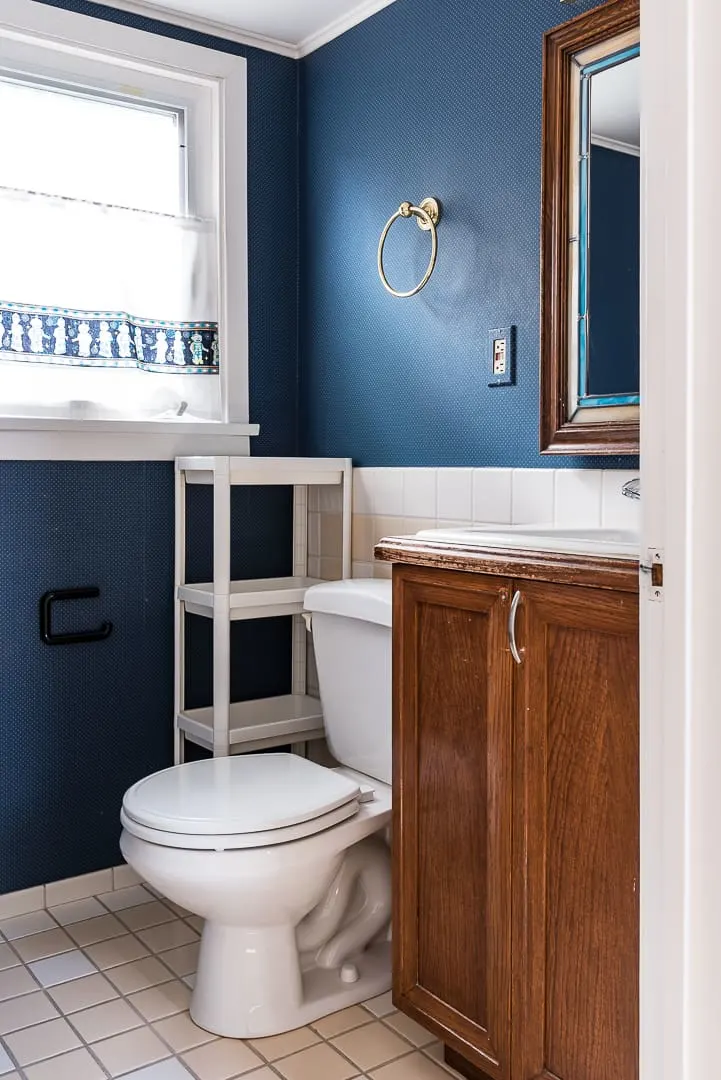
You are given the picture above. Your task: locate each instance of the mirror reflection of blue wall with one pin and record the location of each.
(614, 279)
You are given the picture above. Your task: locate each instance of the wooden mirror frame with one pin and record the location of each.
(558, 434)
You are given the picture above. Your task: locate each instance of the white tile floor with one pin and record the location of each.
(100, 988)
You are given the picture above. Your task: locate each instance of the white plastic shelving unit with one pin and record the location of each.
(226, 727)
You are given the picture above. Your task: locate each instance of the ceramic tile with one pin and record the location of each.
(223, 1059)
(78, 911)
(81, 994)
(492, 496)
(578, 498)
(22, 902)
(160, 1001)
(163, 1070)
(279, 1046)
(145, 915)
(102, 1021)
(40, 946)
(124, 876)
(381, 1005)
(320, 1062)
(25, 1011)
(183, 961)
(532, 499)
(196, 922)
(25, 925)
(413, 1067)
(385, 491)
(371, 1046)
(16, 981)
(362, 481)
(362, 538)
(435, 1053)
(181, 912)
(167, 936)
(6, 1063)
(181, 1033)
(133, 896)
(78, 1065)
(455, 494)
(42, 1041)
(139, 975)
(60, 969)
(420, 493)
(618, 511)
(409, 1029)
(94, 930)
(116, 951)
(78, 888)
(132, 1050)
(346, 1020)
(362, 570)
(331, 534)
(8, 958)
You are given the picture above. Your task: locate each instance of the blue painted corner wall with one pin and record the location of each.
(80, 723)
(424, 99)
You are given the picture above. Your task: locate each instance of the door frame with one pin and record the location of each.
(681, 508)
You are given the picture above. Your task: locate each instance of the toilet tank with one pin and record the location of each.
(352, 640)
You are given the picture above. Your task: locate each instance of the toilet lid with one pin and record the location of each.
(234, 795)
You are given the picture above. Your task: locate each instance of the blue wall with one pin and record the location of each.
(78, 724)
(424, 99)
(614, 274)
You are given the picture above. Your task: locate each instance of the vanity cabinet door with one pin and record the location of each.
(576, 835)
(452, 784)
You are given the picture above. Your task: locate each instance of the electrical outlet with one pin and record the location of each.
(503, 356)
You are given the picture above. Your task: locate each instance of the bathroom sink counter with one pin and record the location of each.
(530, 553)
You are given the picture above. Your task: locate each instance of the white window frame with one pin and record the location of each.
(83, 42)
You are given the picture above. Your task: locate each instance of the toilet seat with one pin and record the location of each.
(238, 802)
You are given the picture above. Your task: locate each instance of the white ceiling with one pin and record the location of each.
(616, 103)
(291, 27)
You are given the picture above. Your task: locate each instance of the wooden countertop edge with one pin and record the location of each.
(593, 571)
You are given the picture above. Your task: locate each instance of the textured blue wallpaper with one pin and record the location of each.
(424, 99)
(80, 723)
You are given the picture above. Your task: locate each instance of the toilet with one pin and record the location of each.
(287, 861)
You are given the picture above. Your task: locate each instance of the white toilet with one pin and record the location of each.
(286, 860)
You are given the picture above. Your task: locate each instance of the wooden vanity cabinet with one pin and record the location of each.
(516, 818)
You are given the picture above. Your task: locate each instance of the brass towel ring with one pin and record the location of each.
(428, 214)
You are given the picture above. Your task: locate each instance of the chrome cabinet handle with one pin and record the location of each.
(512, 628)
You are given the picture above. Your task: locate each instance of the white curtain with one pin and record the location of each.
(83, 284)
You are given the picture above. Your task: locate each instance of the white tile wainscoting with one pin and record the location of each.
(391, 502)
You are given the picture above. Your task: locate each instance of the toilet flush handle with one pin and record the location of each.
(308, 617)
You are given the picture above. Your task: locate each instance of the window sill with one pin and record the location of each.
(31, 439)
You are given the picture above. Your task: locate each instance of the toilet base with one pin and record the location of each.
(249, 1011)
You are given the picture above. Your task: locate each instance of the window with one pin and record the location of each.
(118, 244)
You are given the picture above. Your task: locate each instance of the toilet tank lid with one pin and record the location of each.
(361, 598)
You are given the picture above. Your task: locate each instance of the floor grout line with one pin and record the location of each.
(151, 953)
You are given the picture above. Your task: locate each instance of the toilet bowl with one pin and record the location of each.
(286, 860)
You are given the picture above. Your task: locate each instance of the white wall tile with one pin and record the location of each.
(22, 903)
(362, 570)
(420, 493)
(78, 888)
(578, 497)
(492, 496)
(455, 500)
(619, 512)
(386, 492)
(362, 479)
(532, 500)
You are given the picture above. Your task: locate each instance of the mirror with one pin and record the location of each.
(590, 261)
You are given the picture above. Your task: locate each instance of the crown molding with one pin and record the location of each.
(339, 26)
(203, 26)
(615, 144)
(245, 37)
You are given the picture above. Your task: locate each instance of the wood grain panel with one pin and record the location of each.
(452, 810)
(576, 836)
(558, 434)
